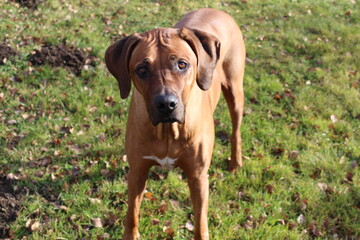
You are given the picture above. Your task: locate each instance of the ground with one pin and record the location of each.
(10, 205)
(63, 171)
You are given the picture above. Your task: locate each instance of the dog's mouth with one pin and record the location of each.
(167, 120)
(177, 116)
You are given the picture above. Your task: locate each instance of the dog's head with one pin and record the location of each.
(164, 65)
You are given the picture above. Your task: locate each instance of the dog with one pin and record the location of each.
(178, 75)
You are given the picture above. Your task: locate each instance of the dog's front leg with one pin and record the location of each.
(199, 191)
(136, 185)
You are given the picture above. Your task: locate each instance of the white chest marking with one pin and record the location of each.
(166, 163)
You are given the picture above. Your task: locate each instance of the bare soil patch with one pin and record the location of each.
(10, 204)
(6, 52)
(70, 58)
(32, 4)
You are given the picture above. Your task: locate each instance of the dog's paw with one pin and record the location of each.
(131, 236)
(234, 165)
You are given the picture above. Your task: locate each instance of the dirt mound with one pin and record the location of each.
(70, 58)
(29, 3)
(6, 52)
(10, 204)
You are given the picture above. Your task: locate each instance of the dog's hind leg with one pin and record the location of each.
(233, 91)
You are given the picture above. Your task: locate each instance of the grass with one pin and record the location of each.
(301, 131)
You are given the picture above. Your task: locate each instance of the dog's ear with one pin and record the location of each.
(207, 50)
(117, 58)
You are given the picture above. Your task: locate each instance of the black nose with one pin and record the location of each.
(166, 103)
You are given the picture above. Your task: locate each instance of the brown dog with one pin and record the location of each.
(178, 74)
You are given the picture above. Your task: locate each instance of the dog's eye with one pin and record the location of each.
(141, 71)
(182, 65)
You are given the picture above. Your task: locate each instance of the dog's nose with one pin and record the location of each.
(166, 103)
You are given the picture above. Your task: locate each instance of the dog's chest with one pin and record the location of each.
(166, 162)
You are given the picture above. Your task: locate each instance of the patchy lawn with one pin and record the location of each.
(62, 124)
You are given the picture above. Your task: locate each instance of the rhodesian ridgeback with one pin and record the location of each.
(178, 74)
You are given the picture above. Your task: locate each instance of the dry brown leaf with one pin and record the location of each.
(334, 118)
(175, 204)
(164, 206)
(269, 189)
(155, 221)
(95, 200)
(190, 226)
(102, 137)
(112, 219)
(148, 195)
(35, 226)
(169, 231)
(97, 222)
(301, 219)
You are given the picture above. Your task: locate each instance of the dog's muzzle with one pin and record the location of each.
(166, 104)
(167, 109)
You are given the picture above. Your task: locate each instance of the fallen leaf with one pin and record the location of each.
(349, 177)
(334, 118)
(12, 122)
(103, 237)
(322, 186)
(277, 151)
(190, 226)
(292, 225)
(73, 217)
(296, 197)
(148, 195)
(269, 189)
(53, 177)
(105, 172)
(247, 225)
(277, 97)
(301, 219)
(303, 204)
(39, 174)
(25, 116)
(316, 174)
(112, 219)
(163, 207)
(28, 223)
(95, 200)
(102, 137)
(175, 204)
(314, 230)
(92, 109)
(35, 226)
(250, 218)
(282, 222)
(64, 208)
(11, 176)
(169, 231)
(293, 155)
(155, 221)
(97, 222)
(354, 164)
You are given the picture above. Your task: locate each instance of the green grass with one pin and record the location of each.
(303, 68)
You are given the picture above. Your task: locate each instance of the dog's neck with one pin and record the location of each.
(167, 131)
